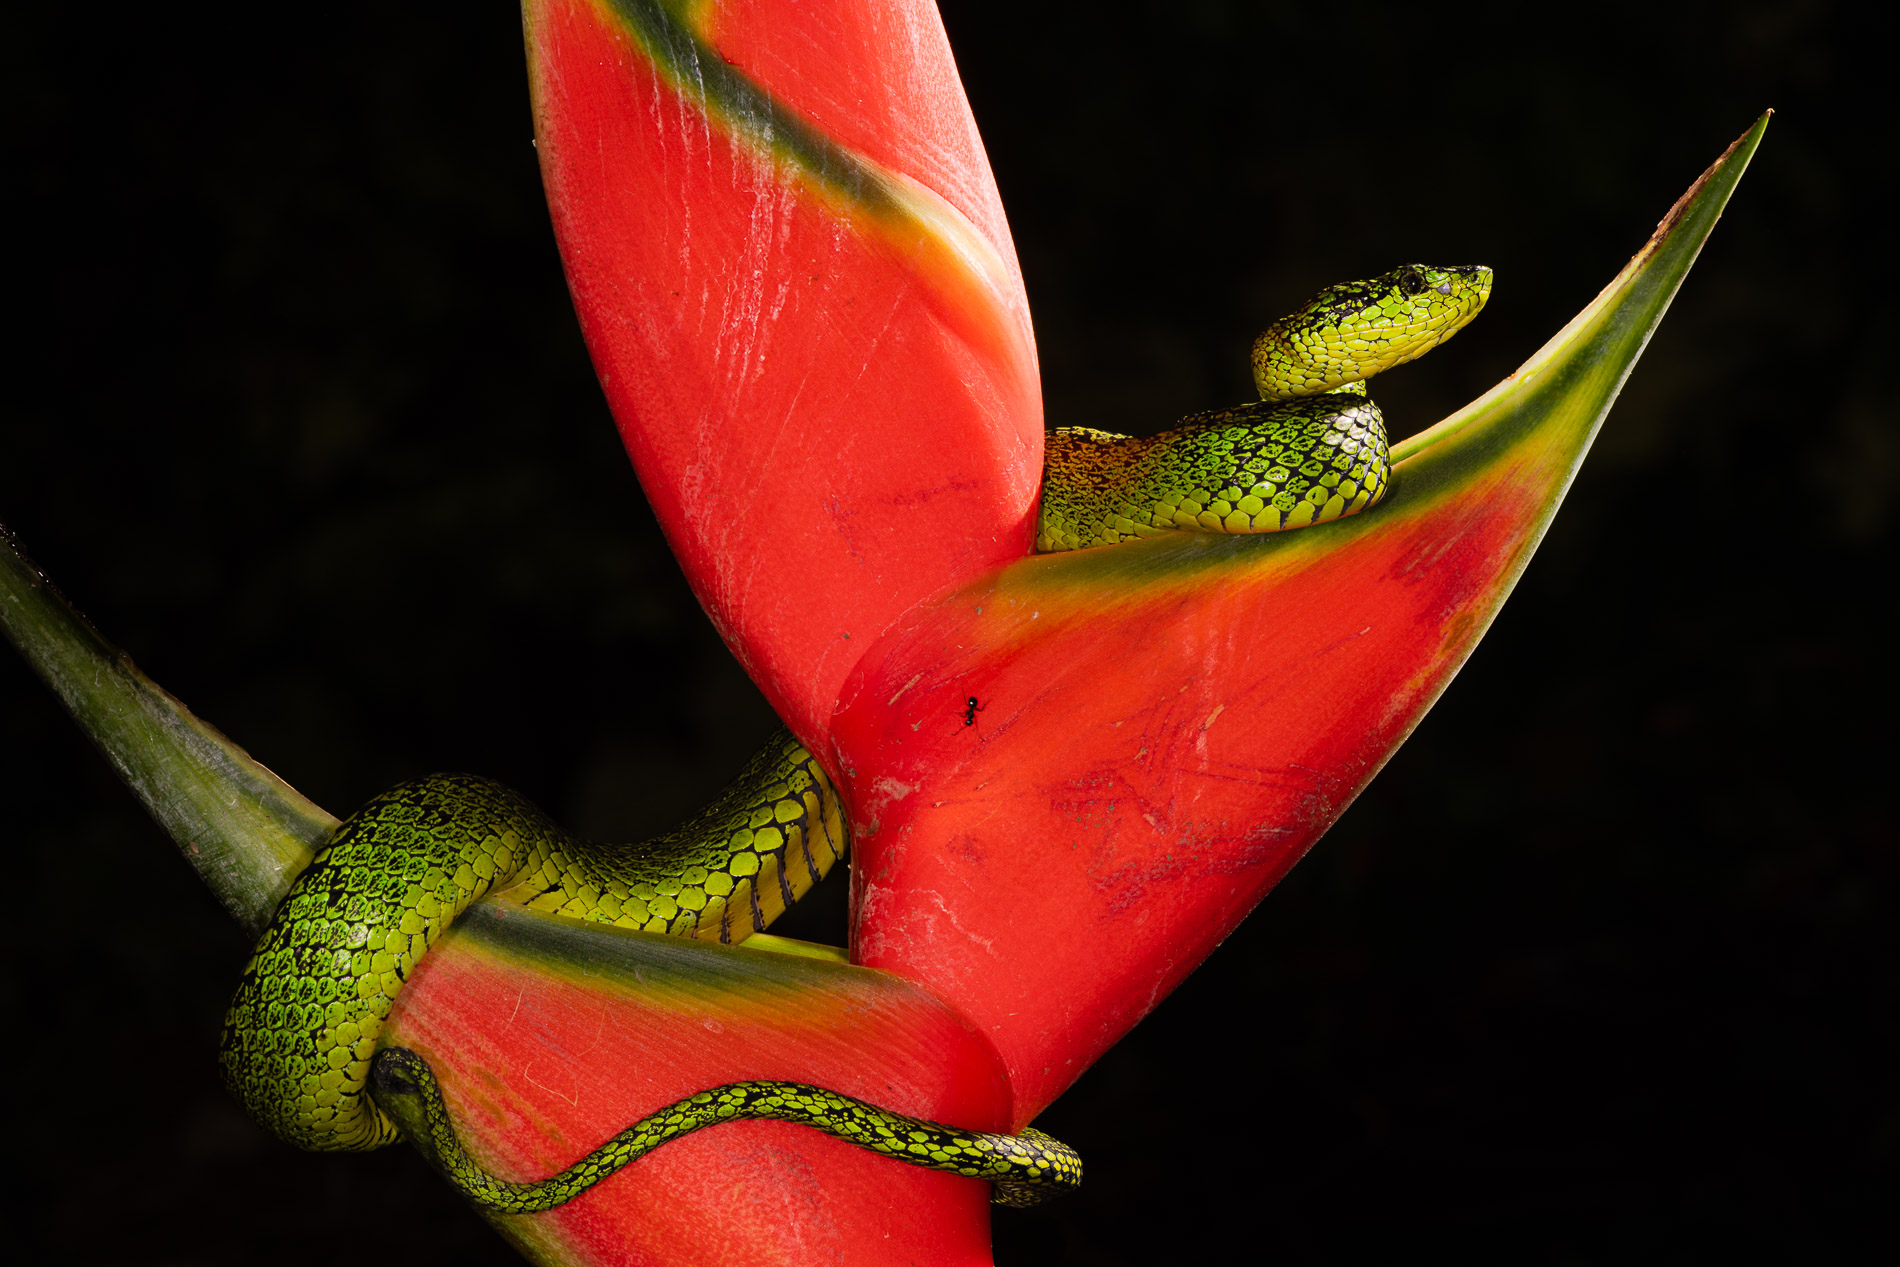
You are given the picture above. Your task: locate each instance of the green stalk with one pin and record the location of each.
(246, 831)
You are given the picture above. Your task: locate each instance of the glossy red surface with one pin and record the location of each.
(1163, 735)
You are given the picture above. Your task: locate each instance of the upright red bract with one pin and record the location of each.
(795, 278)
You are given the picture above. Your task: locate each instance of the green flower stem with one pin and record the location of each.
(246, 831)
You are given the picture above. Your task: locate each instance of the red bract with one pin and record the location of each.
(794, 276)
(1168, 725)
(551, 1035)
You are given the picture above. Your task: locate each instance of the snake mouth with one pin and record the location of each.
(1478, 277)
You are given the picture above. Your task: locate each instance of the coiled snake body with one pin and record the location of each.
(300, 1040)
(1311, 449)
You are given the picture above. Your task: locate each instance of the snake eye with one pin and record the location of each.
(1411, 281)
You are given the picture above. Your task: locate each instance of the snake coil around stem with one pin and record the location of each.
(300, 1046)
(302, 1033)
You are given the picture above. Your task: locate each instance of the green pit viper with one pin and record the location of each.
(300, 1041)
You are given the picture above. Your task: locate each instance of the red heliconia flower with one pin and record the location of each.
(797, 284)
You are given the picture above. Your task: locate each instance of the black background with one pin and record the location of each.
(1600, 969)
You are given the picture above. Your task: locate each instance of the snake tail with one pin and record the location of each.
(1312, 449)
(303, 1027)
(1023, 1169)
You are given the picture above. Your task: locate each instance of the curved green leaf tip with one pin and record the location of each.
(1614, 328)
(246, 831)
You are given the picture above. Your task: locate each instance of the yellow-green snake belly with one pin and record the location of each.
(300, 1042)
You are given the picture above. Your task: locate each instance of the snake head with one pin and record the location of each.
(399, 1071)
(1354, 330)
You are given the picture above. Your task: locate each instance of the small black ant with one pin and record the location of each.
(970, 710)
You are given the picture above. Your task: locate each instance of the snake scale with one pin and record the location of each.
(300, 1043)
